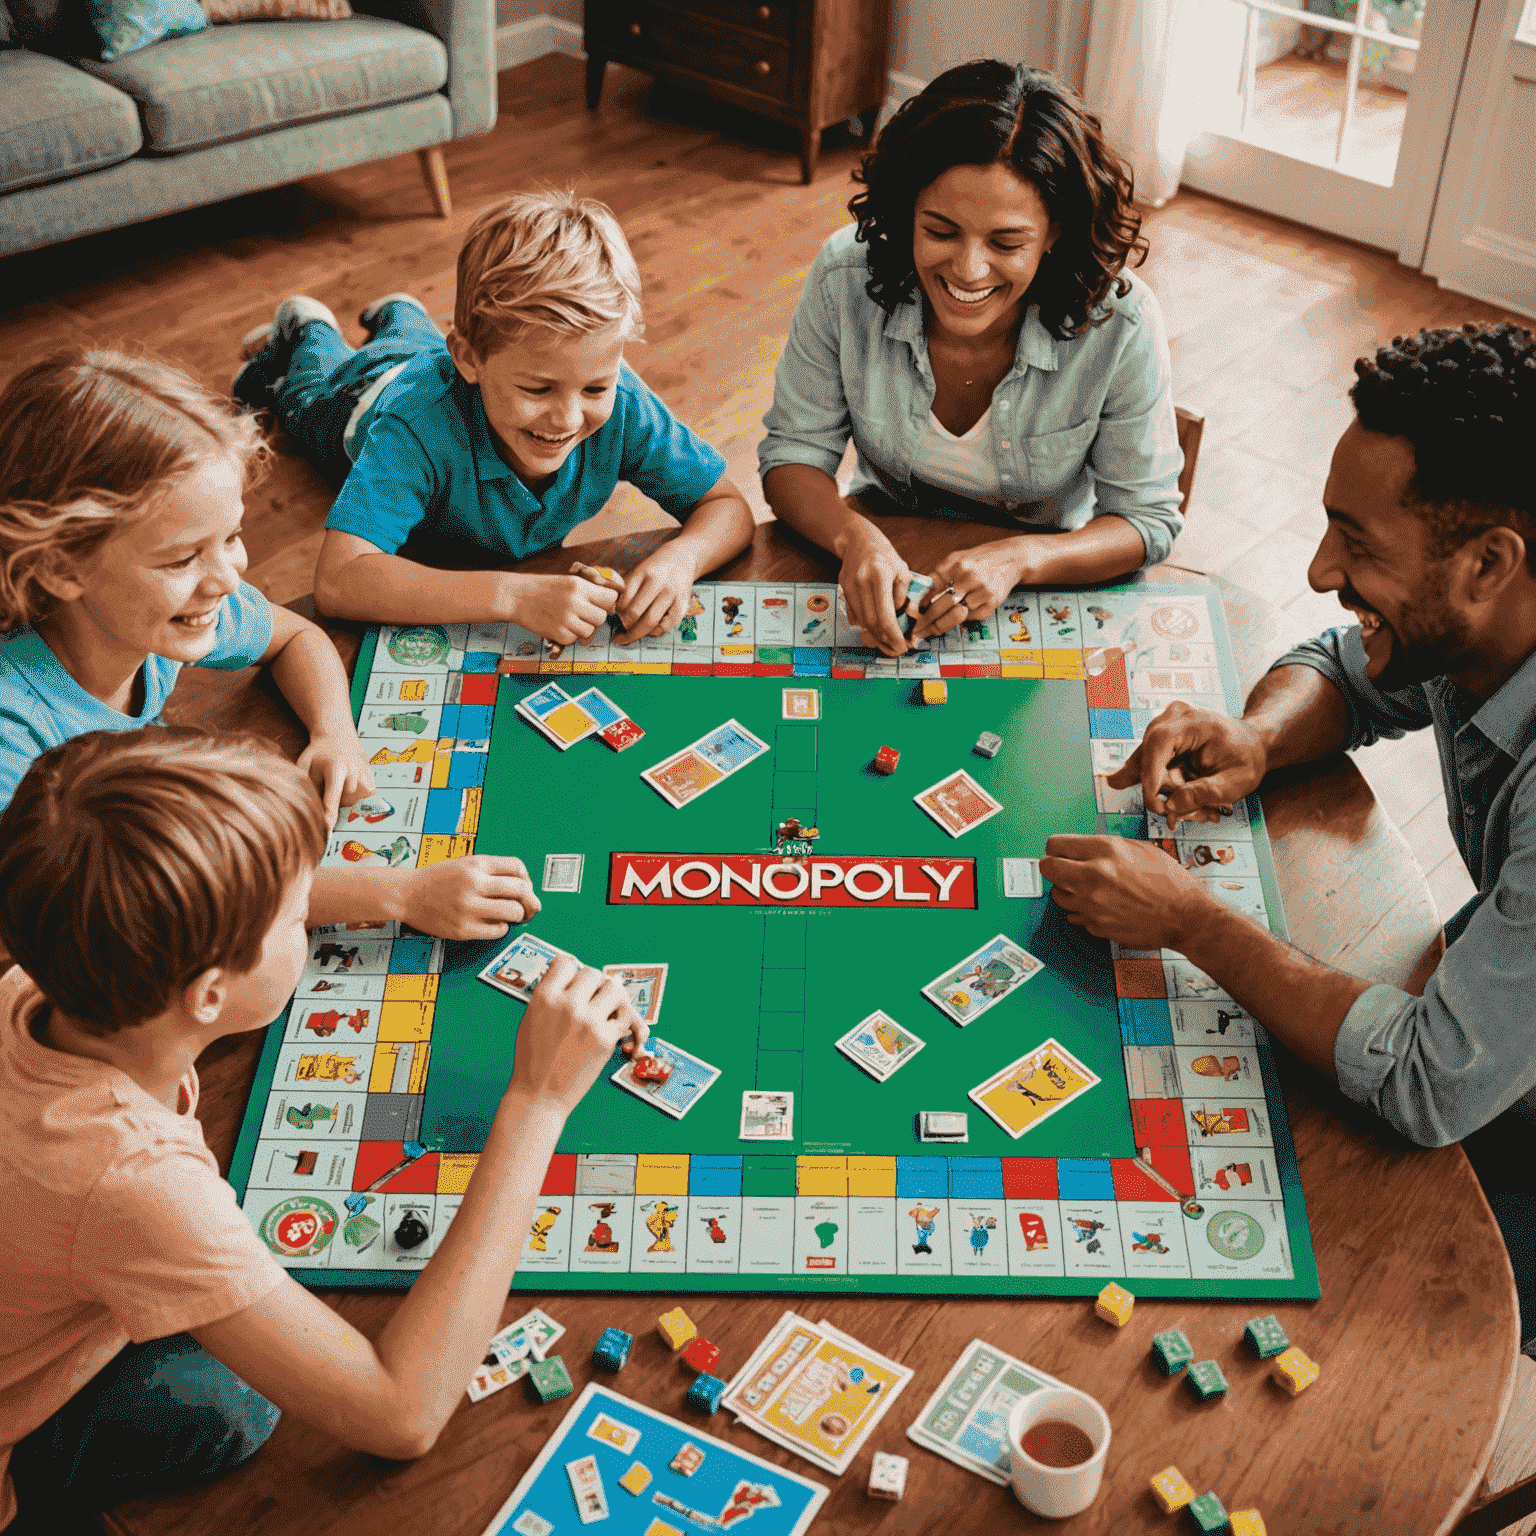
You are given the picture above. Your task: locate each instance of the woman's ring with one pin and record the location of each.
(950, 590)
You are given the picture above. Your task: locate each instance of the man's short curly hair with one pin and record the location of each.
(985, 113)
(1465, 398)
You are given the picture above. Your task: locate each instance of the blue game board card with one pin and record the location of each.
(784, 1503)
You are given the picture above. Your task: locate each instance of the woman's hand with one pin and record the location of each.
(970, 584)
(874, 583)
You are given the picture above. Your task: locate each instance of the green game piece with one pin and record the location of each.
(1266, 1337)
(550, 1378)
(1206, 1514)
(1205, 1379)
(1172, 1351)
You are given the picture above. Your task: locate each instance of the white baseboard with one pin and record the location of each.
(519, 41)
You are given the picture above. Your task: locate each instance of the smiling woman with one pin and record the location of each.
(977, 335)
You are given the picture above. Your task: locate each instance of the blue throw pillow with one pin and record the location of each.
(124, 26)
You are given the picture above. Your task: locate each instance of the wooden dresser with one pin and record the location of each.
(809, 63)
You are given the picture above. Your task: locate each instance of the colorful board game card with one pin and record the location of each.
(880, 1045)
(1033, 1088)
(557, 715)
(958, 803)
(643, 986)
(982, 979)
(767, 1116)
(562, 872)
(1021, 878)
(600, 707)
(966, 1420)
(531, 1335)
(682, 777)
(683, 1088)
(730, 746)
(802, 704)
(611, 1431)
(587, 1489)
(492, 1374)
(520, 967)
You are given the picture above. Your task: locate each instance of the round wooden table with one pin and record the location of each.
(1415, 1333)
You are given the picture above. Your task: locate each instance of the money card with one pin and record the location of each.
(1033, 1088)
(552, 711)
(682, 778)
(880, 1045)
(958, 803)
(730, 746)
(643, 986)
(685, 1084)
(982, 980)
(520, 967)
(767, 1116)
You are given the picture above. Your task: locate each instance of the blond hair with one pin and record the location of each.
(133, 861)
(548, 259)
(87, 440)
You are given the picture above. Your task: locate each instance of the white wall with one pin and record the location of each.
(930, 36)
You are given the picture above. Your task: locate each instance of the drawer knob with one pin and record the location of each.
(764, 12)
(763, 67)
(634, 29)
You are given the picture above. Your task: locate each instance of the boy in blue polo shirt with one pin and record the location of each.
(504, 436)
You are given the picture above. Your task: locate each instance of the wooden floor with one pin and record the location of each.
(1265, 320)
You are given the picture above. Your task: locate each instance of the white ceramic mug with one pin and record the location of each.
(1057, 1492)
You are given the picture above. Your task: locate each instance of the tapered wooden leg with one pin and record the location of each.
(810, 148)
(596, 65)
(435, 174)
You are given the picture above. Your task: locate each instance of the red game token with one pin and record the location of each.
(622, 733)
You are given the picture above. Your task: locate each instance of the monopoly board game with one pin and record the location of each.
(842, 957)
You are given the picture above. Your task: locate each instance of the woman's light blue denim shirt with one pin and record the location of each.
(1078, 427)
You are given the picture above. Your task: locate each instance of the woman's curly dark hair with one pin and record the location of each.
(987, 112)
(1465, 398)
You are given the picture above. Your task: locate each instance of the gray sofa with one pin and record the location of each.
(87, 146)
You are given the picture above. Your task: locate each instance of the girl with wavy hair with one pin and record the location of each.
(977, 334)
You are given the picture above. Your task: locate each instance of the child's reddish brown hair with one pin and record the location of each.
(133, 861)
(87, 440)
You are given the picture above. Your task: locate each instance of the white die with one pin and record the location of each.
(887, 1476)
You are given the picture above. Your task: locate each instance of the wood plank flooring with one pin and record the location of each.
(1265, 319)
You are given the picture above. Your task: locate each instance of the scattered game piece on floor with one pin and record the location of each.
(1266, 1338)
(557, 716)
(958, 803)
(1172, 1491)
(688, 1460)
(1115, 1304)
(621, 735)
(943, 1125)
(1245, 1522)
(802, 704)
(677, 1328)
(612, 1349)
(587, 1489)
(879, 1044)
(767, 1116)
(1294, 1371)
(532, 1334)
(679, 1090)
(1172, 1351)
(550, 1379)
(887, 1476)
(1206, 1514)
(701, 1355)
(988, 744)
(705, 1392)
(643, 986)
(637, 1479)
(935, 691)
(1206, 1380)
(983, 979)
(520, 967)
(1033, 1088)
(562, 872)
(886, 760)
(1021, 878)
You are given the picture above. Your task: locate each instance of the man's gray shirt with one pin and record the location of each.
(1438, 1067)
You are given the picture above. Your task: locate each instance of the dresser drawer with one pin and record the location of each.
(662, 35)
(775, 18)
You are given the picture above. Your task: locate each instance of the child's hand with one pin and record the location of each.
(565, 609)
(340, 770)
(478, 897)
(655, 597)
(569, 1031)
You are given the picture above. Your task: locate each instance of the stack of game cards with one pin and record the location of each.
(687, 774)
(815, 1391)
(565, 721)
(508, 1354)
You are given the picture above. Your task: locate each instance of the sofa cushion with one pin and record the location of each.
(233, 82)
(56, 121)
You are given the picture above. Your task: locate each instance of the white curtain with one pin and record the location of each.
(1138, 77)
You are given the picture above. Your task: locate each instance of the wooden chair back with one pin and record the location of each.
(1191, 428)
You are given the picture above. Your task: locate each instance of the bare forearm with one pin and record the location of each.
(1301, 1001)
(438, 1335)
(1299, 715)
(357, 894)
(309, 674)
(389, 589)
(1107, 547)
(806, 500)
(719, 527)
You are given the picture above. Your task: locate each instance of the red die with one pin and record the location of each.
(886, 759)
(702, 1356)
(652, 1069)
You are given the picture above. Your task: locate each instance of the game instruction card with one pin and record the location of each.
(555, 714)
(1021, 878)
(643, 986)
(880, 1045)
(1033, 1088)
(716, 1486)
(689, 1078)
(767, 1116)
(815, 1391)
(958, 803)
(966, 1420)
(520, 967)
(982, 979)
(562, 872)
(687, 774)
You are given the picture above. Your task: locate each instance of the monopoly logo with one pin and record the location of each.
(754, 880)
